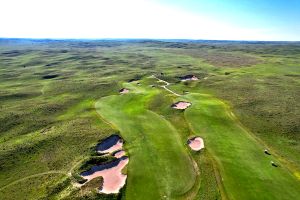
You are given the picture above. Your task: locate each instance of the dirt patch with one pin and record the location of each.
(113, 179)
(181, 105)
(189, 77)
(123, 91)
(110, 144)
(196, 143)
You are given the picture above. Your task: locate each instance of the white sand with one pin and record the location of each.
(193, 78)
(196, 143)
(113, 179)
(181, 105)
(119, 154)
(124, 91)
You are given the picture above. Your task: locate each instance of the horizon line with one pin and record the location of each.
(190, 39)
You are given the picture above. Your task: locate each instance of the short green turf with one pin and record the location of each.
(158, 158)
(239, 156)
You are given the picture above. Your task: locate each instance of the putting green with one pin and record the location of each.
(159, 164)
(245, 169)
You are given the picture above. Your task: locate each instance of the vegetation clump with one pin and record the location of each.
(95, 160)
(50, 76)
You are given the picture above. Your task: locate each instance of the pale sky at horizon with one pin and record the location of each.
(157, 19)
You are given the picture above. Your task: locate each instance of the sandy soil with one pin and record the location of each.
(119, 154)
(113, 179)
(196, 143)
(181, 105)
(124, 91)
(190, 78)
(113, 148)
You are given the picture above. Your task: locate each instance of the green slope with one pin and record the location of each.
(245, 169)
(159, 165)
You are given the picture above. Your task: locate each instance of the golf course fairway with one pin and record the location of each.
(245, 169)
(159, 164)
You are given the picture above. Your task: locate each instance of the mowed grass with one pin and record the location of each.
(159, 165)
(246, 171)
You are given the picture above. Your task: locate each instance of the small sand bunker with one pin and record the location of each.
(123, 91)
(189, 77)
(113, 179)
(119, 154)
(110, 144)
(196, 143)
(181, 105)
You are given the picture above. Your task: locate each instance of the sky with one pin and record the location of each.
(267, 20)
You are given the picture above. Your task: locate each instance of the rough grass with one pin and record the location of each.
(223, 59)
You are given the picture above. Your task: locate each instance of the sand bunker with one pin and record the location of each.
(110, 144)
(123, 91)
(181, 105)
(196, 143)
(113, 179)
(119, 154)
(189, 78)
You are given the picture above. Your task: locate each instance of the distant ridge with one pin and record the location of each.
(143, 40)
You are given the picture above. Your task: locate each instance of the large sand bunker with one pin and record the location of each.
(181, 105)
(196, 143)
(123, 91)
(110, 144)
(113, 179)
(189, 77)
